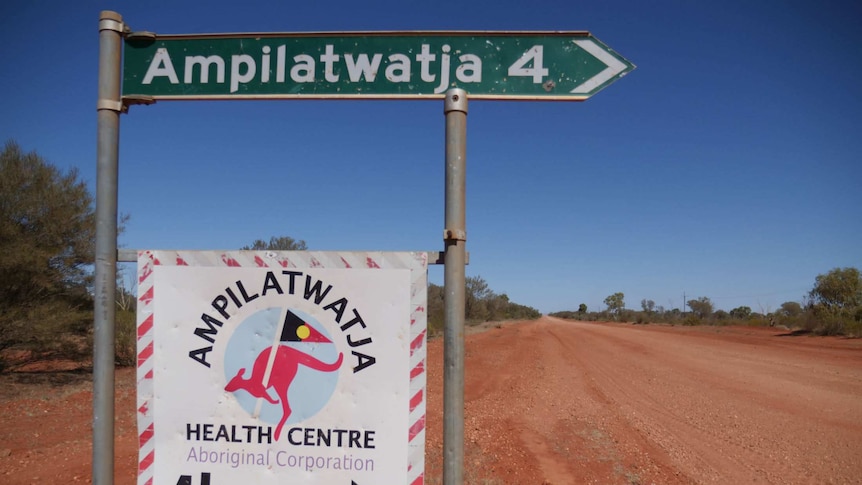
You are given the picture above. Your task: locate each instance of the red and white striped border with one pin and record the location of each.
(417, 262)
(146, 445)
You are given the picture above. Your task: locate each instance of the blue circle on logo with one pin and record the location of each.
(309, 389)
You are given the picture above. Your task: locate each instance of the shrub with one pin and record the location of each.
(126, 339)
(43, 332)
(757, 322)
(691, 319)
(853, 329)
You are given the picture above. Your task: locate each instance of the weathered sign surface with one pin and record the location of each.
(487, 65)
(281, 367)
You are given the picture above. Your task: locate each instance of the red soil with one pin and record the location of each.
(557, 402)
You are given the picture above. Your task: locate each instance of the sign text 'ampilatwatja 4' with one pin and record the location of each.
(377, 65)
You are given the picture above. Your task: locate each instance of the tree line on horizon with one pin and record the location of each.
(481, 305)
(833, 306)
(47, 250)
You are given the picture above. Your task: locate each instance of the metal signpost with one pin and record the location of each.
(108, 111)
(452, 66)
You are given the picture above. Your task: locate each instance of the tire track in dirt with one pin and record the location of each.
(641, 451)
(556, 425)
(560, 402)
(722, 413)
(641, 417)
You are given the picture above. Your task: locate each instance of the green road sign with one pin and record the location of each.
(487, 65)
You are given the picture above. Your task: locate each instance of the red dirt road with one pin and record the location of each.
(563, 402)
(560, 402)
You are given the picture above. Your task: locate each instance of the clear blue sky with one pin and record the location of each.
(726, 165)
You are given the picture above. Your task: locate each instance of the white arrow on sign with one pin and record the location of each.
(614, 67)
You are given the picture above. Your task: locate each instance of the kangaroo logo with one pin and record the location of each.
(300, 368)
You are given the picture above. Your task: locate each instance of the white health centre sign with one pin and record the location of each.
(281, 367)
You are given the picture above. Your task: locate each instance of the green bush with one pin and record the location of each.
(126, 339)
(757, 322)
(830, 325)
(567, 315)
(691, 319)
(46, 331)
(853, 329)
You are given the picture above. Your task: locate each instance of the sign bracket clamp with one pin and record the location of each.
(136, 100)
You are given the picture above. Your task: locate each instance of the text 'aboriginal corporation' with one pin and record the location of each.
(279, 458)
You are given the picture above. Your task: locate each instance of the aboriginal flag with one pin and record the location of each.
(297, 330)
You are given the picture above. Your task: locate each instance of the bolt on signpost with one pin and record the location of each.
(452, 66)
